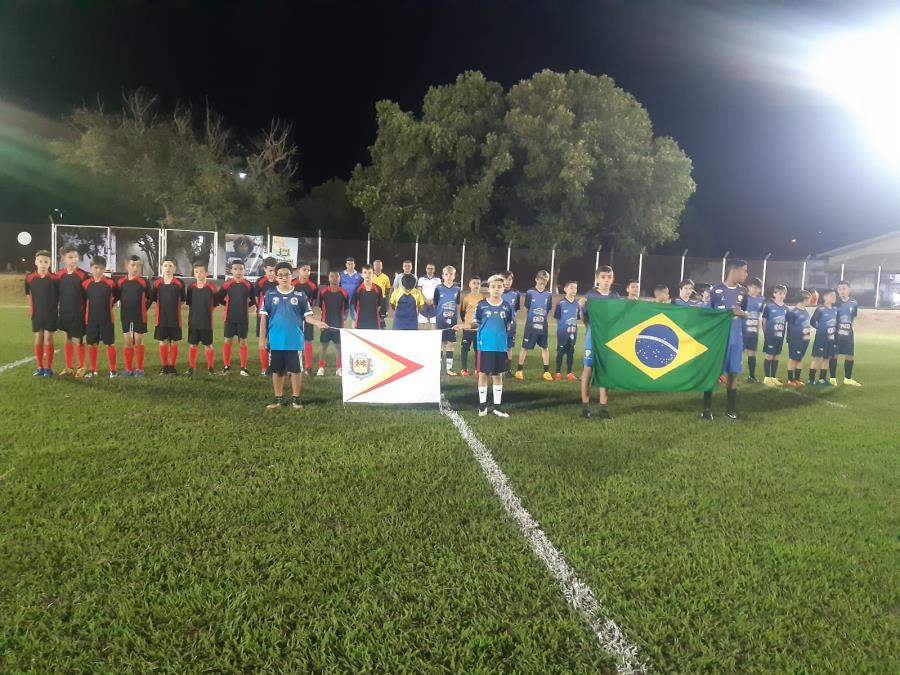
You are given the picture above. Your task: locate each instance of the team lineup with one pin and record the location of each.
(82, 306)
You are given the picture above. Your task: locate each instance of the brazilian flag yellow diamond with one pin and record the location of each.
(656, 346)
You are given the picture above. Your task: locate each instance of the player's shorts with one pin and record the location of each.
(845, 345)
(797, 350)
(198, 336)
(427, 314)
(773, 346)
(532, 339)
(308, 329)
(734, 359)
(751, 341)
(825, 349)
(492, 363)
(73, 326)
(468, 338)
(236, 329)
(448, 335)
(40, 323)
(283, 361)
(138, 327)
(330, 335)
(172, 333)
(100, 332)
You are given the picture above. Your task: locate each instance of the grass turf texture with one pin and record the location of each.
(175, 525)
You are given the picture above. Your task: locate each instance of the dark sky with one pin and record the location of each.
(773, 160)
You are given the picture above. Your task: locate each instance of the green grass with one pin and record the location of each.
(176, 526)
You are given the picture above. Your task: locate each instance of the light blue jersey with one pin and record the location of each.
(286, 312)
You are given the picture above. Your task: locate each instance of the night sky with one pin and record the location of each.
(773, 159)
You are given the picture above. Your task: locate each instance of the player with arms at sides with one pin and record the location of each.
(446, 301)
(406, 267)
(406, 301)
(237, 296)
(368, 302)
(350, 281)
(42, 289)
(99, 324)
(537, 306)
(426, 285)
(311, 289)
(168, 294)
(135, 295)
(773, 322)
(632, 289)
(467, 307)
(284, 311)
(383, 281)
(263, 284)
(847, 311)
(685, 294)
(492, 317)
(824, 350)
(567, 315)
(730, 295)
(755, 303)
(201, 300)
(798, 334)
(602, 290)
(333, 300)
(514, 298)
(71, 310)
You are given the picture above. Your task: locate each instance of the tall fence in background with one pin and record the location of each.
(872, 286)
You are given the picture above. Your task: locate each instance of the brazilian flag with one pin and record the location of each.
(645, 346)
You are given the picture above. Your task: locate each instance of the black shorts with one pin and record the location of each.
(105, 333)
(237, 329)
(330, 335)
(773, 346)
(824, 350)
(845, 345)
(167, 333)
(308, 329)
(448, 335)
(797, 350)
(198, 336)
(751, 341)
(134, 327)
(73, 326)
(283, 361)
(492, 363)
(40, 323)
(468, 339)
(532, 339)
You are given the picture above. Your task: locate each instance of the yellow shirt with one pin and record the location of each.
(383, 281)
(469, 303)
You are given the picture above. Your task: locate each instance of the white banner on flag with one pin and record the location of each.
(391, 366)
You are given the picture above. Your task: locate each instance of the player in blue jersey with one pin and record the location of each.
(847, 309)
(537, 305)
(755, 302)
(446, 305)
(285, 310)
(567, 315)
(798, 333)
(685, 294)
(773, 323)
(514, 298)
(730, 295)
(492, 317)
(824, 350)
(602, 290)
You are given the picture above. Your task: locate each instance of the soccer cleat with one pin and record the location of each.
(320, 372)
(48, 372)
(189, 372)
(173, 370)
(832, 381)
(585, 412)
(127, 373)
(38, 373)
(65, 372)
(776, 382)
(520, 375)
(482, 411)
(768, 381)
(571, 376)
(603, 414)
(296, 404)
(264, 372)
(81, 372)
(276, 403)
(113, 374)
(451, 373)
(226, 370)
(851, 382)
(337, 372)
(823, 383)
(498, 412)
(706, 415)
(557, 377)
(734, 416)
(245, 372)
(464, 373)
(799, 383)
(547, 376)
(751, 380)
(138, 373)
(164, 370)
(212, 371)
(91, 374)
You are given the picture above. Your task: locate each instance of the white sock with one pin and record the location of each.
(498, 393)
(482, 395)
(450, 363)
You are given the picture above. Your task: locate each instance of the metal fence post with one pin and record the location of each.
(765, 266)
(877, 286)
(724, 260)
(596, 263)
(640, 266)
(803, 274)
(319, 262)
(552, 265)
(508, 254)
(369, 247)
(416, 262)
(842, 270)
(462, 268)
(215, 254)
(53, 246)
(163, 249)
(683, 256)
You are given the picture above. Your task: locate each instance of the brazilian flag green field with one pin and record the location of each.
(175, 525)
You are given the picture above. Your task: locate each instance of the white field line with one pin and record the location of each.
(576, 592)
(15, 364)
(814, 398)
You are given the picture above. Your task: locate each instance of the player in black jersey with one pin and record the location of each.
(168, 294)
(134, 298)
(311, 289)
(71, 310)
(100, 296)
(262, 285)
(42, 290)
(201, 298)
(237, 296)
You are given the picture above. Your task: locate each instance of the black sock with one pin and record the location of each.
(559, 358)
(848, 369)
(751, 365)
(569, 357)
(732, 399)
(823, 374)
(832, 367)
(547, 369)
(767, 366)
(707, 400)
(519, 367)
(464, 356)
(773, 368)
(812, 374)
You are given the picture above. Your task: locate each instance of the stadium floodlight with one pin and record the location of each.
(861, 70)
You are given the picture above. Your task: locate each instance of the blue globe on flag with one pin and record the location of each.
(656, 346)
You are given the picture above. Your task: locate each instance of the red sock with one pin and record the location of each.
(129, 358)
(226, 353)
(80, 355)
(164, 354)
(48, 355)
(210, 356)
(192, 356)
(173, 353)
(93, 355)
(113, 358)
(307, 356)
(321, 363)
(139, 351)
(244, 352)
(264, 358)
(39, 355)
(69, 353)
(337, 364)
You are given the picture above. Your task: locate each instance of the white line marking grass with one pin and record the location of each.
(814, 398)
(576, 592)
(15, 364)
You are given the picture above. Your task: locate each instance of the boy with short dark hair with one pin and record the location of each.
(368, 302)
(685, 294)
(773, 322)
(42, 289)
(406, 301)
(514, 298)
(135, 296)
(467, 307)
(334, 301)
(661, 294)
(567, 315)
(237, 296)
(730, 295)
(755, 302)
(446, 301)
(100, 296)
(632, 289)
(168, 294)
(798, 331)
(263, 284)
(602, 290)
(71, 310)
(847, 311)
(537, 305)
(824, 320)
(201, 300)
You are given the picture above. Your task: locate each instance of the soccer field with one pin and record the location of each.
(175, 525)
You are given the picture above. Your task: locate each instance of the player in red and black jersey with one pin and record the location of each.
(262, 285)
(134, 298)
(368, 301)
(238, 296)
(309, 287)
(42, 290)
(71, 309)
(100, 295)
(334, 301)
(201, 298)
(168, 294)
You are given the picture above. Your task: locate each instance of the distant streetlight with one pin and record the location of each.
(242, 175)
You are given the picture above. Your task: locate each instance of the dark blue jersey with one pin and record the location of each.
(514, 298)
(776, 321)
(446, 305)
(754, 309)
(493, 324)
(567, 315)
(727, 297)
(847, 312)
(688, 303)
(538, 305)
(798, 325)
(824, 320)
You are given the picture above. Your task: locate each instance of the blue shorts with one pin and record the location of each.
(845, 345)
(734, 359)
(532, 339)
(773, 345)
(751, 341)
(448, 335)
(824, 350)
(330, 335)
(797, 350)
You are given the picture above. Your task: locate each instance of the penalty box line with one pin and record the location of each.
(577, 593)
